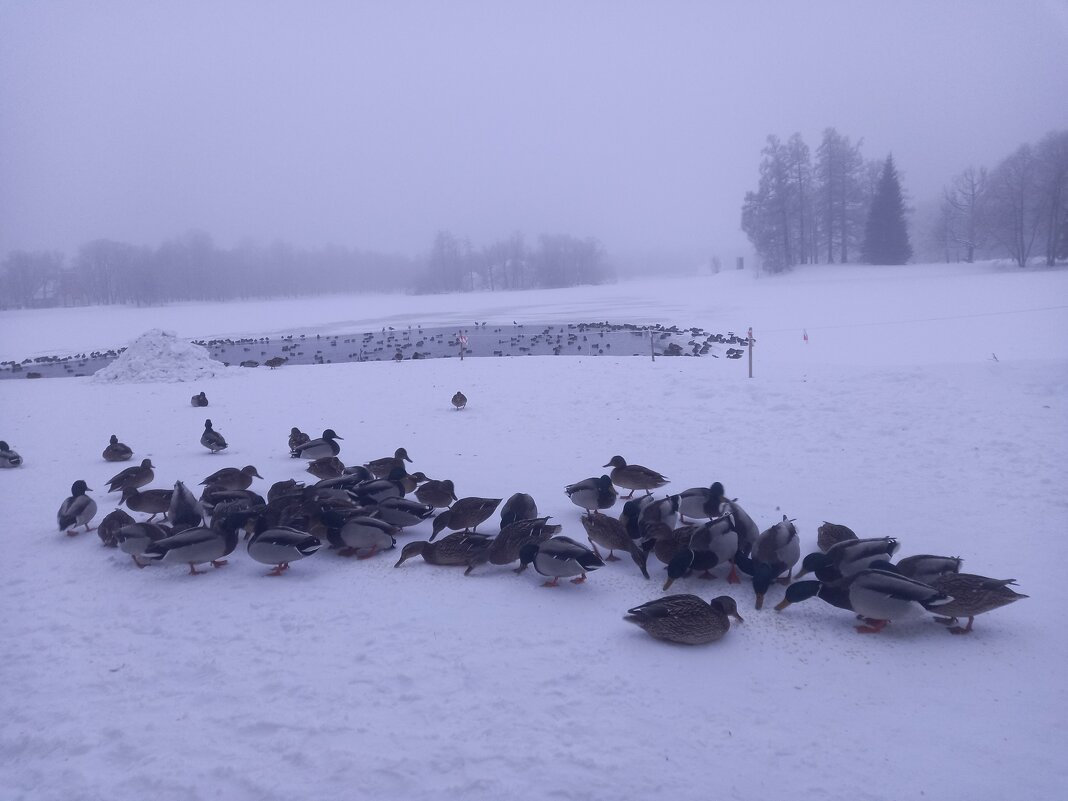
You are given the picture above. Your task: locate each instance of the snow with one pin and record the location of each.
(159, 355)
(352, 679)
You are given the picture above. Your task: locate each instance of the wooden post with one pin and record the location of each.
(652, 350)
(463, 342)
(750, 351)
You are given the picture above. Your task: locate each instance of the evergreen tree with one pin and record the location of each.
(886, 238)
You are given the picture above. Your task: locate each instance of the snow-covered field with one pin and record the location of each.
(350, 679)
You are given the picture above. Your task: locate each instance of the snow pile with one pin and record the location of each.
(159, 355)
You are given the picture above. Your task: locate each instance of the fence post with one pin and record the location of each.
(463, 342)
(652, 350)
(750, 351)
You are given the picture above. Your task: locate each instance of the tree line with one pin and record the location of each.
(193, 268)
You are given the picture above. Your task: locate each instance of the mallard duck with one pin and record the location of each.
(686, 619)
(151, 502)
(701, 502)
(184, 510)
(199, 400)
(215, 499)
(202, 544)
(276, 361)
(465, 514)
(831, 533)
(439, 494)
(108, 530)
(459, 400)
(380, 468)
(132, 477)
(8, 457)
(592, 494)
(327, 467)
(776, 552)
(233, 477)
(326, 445)
(559, 557)
(518, 507)
(926, 567)
(280, 545)
(378, 489)
(607, 532)
(134, 538)
(971, 595)
(117, 451)
(505, 547)
(458, 548)
(297, 438)
(877, 596)
(663, 510)
(850, 556)
(402, 512)
(634, 476)
(77, 510)
(711, 544)
(284, 489)
(363, 536)
(212, 439)
(748, 531)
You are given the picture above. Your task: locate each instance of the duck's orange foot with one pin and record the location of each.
(579, 580)
(873, 627)
(218, 562)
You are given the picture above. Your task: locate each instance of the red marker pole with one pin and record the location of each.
(750, 351)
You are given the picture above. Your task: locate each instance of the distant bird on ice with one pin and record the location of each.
(459, 400)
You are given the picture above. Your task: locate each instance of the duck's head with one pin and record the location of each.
(813, 562)
(797, 592)
(114, 440)
(329, 434)
(4, 446)
(401, 453)
(616, 461)
(763, 575)
(249, 470)
(207, 424)
(527, 553)
(410, 550)
(728, 605)
(79, 487)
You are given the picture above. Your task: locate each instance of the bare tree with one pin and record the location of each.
(1052, 155)
(963, 201)
(1014, 205)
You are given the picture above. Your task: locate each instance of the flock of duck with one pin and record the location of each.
(359, 511)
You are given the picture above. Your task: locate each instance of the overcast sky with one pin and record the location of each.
(377, 124)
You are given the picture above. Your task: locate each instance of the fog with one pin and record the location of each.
(375, 125)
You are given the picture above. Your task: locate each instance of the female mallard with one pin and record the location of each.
(326, 445)
(832, 533)
(117, 451)
(686, 619)
(592, 494)
(199, 400)
(232, 477)
(850, 556)
(634, 476)
(132, 477)
(108, 530)
(971, 595)
(280, 545)
(77, 510)
(610, 533)
(212, 439)
(150, 502)
(326, 467)
(701, 502)
(458, 548)
(465, 515)
(505, 547)
(519, 506)
(459, 400)
(380, 468)
(297, 438)
(8, 457)
(439, 494)
(201, 544)
(559, 557)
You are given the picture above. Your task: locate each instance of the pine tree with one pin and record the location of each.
(886, 239)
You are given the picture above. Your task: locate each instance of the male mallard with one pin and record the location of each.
(134, 538)
(972, 595)
(151, 502)
(505, 547)
(232, 477)
(199, 400)
(465, 514)
(701, 502)
(559, 557)
(402, 512)
(132, 477)
(201, 544)
(77, 510)
(775, 552)
(439, 494)
(380, 468)
(456, 549)
(634, 476)
(831, 533)
(184, 510)
(326, 445)
(363, 536)
(108, 530)
(280, 545)
(926, 567)
(459, 400)
(711, 544)
(685, 619)
(519, 506)
(592, 494)
(8, 457)
(850, 555)
(117, 451)
(212, 439)
(748, 531)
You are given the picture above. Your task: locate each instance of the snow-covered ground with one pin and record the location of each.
(350, 679)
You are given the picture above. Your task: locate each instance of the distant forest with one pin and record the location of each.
(193, 267)
(841, 207)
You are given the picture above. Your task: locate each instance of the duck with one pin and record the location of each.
(634, 476)
(212, 439)
(134, 538)
(776, 551)
(402, 512)
(199, 400)
(297, 438)
(701, 502)
(233, 478)
(685, 619)
(439, 494)
(712, 544)
(927, 567)
(201, 544)
(117, 451)
(610, 533)
(459, 400)
(592, 494)
(77, 510)
(363, 536)
(664, 510)
(8, 457)
(876, 596)
(505, 547)
(971, 595)
(151, 502)
(850, 555)
(132, 477)
(465, 514)
(288, 488)
(559, 557)
(380, 468)
(184, 510)
(108, 530)
(831, 533)
(747, 529)
(456, 549)
(279, 545)
(519, 506)
(326, 445)
(326, 467)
